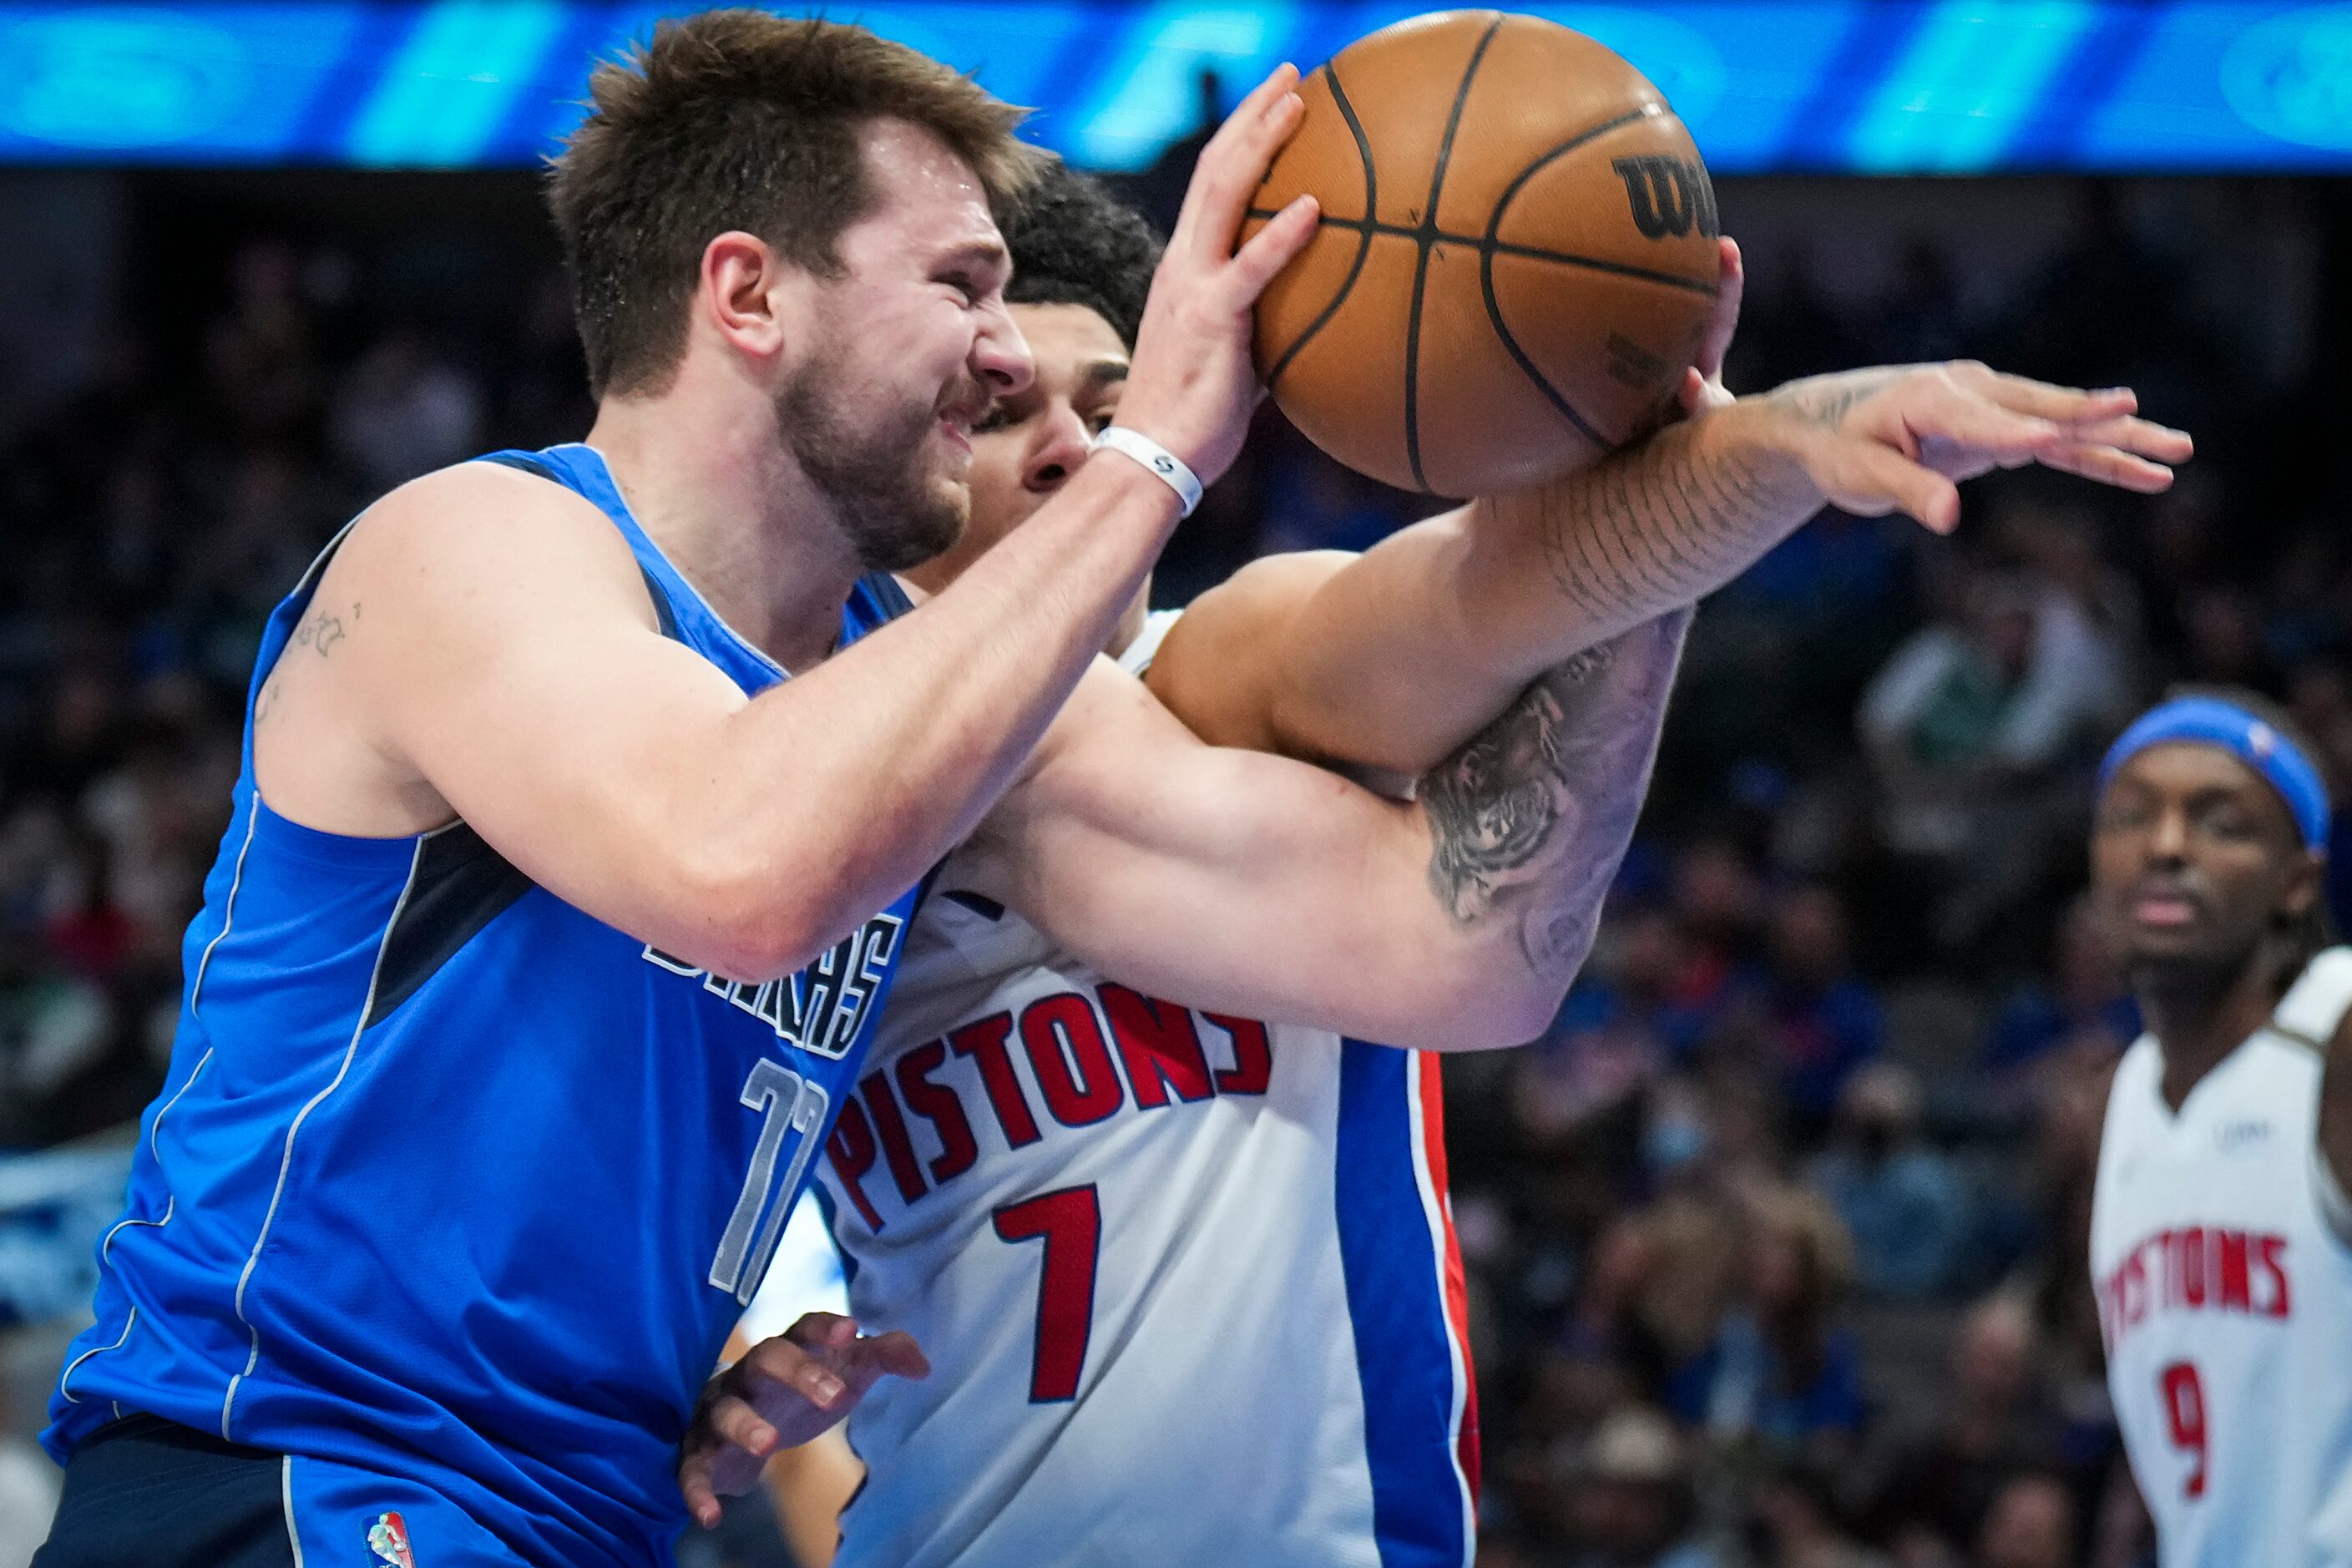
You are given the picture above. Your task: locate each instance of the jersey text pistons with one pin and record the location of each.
(1069, 1039)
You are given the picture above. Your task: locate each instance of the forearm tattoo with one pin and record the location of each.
(1665, 523)
(1530, 818)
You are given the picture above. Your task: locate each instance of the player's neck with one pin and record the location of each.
(710, 485)
(2200, 1015)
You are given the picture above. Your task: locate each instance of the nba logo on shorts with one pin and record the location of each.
(388, 1538)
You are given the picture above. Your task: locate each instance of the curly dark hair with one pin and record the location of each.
(1074, 243)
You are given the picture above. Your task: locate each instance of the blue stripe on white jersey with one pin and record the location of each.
(1412, 1372)
(452, 1182)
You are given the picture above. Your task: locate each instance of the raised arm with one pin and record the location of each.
(1252, 884)
(483, 646)
(1388, 660)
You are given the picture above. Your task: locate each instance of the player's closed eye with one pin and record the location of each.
(2120, 814)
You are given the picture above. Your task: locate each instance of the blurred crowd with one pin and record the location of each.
(1776, 1236)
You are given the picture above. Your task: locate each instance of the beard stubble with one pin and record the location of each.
(895, 514)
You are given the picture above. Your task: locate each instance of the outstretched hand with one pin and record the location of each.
(784, 1392)
(1898, 438)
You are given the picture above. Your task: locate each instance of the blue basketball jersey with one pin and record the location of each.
(452, 1182)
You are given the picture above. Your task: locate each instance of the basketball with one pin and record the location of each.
(1515, 260)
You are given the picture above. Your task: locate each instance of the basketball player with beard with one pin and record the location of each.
(2221, 1235)
(1188, 1270)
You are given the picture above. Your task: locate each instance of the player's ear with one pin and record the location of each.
(745, 293)
(2305, 886)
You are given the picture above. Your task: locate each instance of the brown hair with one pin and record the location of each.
(740, 120)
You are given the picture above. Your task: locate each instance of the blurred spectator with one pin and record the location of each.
(2083, 1005)
(1783, 1371)
(1629, 1497)
(1605, 1353)
(2032, 1525)
(1936, 1474)
(1901, 1199)
(1638, 1009)
(1797, 1518)
(2225, 641)
(403, 411)
(260, 354)
(1819, 1019)
(1966, 728)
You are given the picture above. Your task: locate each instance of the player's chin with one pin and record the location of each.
(2192, 945)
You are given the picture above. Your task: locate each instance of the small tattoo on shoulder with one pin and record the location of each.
(324, 630)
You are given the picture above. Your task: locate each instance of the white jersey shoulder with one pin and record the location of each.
(2225, 1295)
(1186, 1280)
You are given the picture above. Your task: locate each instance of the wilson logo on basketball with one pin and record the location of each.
(1670, 196)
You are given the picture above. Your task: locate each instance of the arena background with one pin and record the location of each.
(1776, 1236)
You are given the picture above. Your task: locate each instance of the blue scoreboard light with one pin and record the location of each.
(1860, 86)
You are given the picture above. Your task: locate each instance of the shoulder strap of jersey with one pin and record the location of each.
(533, 463)
(2314, 1006)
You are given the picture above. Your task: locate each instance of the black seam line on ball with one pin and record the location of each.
(1494, 248)
(1363, 240)
(1425, 237)
(1557, 399)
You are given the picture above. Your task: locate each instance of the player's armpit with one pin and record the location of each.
(1241, 882)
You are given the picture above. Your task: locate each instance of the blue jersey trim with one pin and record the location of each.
(1403, 1359)
(286, 1161)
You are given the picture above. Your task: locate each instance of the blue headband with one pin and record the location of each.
(2209, 720)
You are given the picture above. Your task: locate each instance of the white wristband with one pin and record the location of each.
(1158, 458)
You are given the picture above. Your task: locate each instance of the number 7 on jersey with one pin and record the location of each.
(1069, 1222)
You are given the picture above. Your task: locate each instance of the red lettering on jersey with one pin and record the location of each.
(2134, 1290)
(2191, 1246)
(983, 1042)
(895, 1141)
(1158, 1044)
(1252, 1067)
(852, 1151)
(2270, 1258)
(2232, 1264)
(939, 1106)
(1072, 1061)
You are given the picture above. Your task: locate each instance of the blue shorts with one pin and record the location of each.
(149, 1492)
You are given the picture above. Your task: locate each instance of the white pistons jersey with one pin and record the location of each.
(1187, 1282)
(2225, 1295)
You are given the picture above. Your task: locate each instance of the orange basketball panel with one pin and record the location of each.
(1402, 82)
(1295, 303)
(1538, 86)
(1345, 390)
(1616, 357)
(1483, 427)
(1321, 156)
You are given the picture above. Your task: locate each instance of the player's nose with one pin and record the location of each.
(1063, 442)
(999, 354)
(2168, 843)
